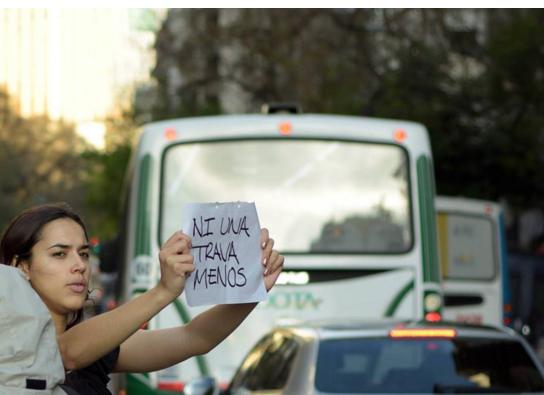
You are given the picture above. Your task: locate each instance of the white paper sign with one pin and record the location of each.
(227, 253)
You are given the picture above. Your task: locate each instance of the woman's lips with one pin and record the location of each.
(77, 287)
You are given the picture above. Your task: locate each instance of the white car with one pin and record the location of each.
(386, 357)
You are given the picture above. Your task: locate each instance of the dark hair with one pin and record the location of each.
(25, 231)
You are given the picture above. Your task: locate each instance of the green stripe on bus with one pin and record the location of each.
(435, 262)
(442, 224)
(428, 220)
(395, 303)
(143, 233)
(421, 173)
(185, 318)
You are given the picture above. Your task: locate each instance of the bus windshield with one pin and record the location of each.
(315, 196)
(467, 247)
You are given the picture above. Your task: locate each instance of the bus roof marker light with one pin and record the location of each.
(400, 135)
(285, 128)
(170, 134)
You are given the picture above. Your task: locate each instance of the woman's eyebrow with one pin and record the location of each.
(59, 245)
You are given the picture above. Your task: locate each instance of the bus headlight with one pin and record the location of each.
(293, 278)
(432, 302)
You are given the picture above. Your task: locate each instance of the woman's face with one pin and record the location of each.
(59, 268)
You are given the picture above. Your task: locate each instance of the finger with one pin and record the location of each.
(183, 237)
(177, 259)
(181, 246)
(264, 237)
(172, 239)
(277, 265)
(167, 242)
(184, 269)
(181, 265)
(271, 278)
(267, 251)
(167, 254)
(176, 236)
(275, 262)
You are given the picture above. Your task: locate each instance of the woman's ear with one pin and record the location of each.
(23, 266)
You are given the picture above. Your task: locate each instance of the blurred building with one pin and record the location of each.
(79, 65)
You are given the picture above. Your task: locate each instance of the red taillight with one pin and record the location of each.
(433, 316)
(176, 386)
(420, 332)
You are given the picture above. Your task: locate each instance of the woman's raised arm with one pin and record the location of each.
(91, 339)
(147, 351)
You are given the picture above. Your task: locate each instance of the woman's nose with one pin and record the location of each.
(79, 265)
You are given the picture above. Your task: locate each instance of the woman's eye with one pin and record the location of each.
(84, 255)
(59, 254)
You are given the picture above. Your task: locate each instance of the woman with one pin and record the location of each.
(49, 244)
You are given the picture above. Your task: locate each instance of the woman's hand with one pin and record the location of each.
(176, 263)
(272, 260)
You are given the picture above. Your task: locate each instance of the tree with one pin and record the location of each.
(44, 161)
(105, 184)
(188, 70)
(39, 162)
(208, 59)
(473, 77)
(515, 55)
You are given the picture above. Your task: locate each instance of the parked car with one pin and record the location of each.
(387, 357)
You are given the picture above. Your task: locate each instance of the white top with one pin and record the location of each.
(28, 343)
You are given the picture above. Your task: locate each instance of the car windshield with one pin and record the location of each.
(461, 365)
(315, 196)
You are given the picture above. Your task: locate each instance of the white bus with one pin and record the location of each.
(348, 200)
(474, 260)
